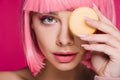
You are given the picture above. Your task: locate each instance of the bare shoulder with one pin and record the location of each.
(23, 74)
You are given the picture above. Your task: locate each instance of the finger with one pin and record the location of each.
(106, 21)
(102, 17)
(103, 27)
(99, 61)
(101, 38)
(99, 25)
(111, 52)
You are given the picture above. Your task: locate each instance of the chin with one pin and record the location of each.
(66, 66)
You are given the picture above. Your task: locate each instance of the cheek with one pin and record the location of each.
(78, 41)
(46, 33)
(46, 38)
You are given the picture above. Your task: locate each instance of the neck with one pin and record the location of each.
(51, 73)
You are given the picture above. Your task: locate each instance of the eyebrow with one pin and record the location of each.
(52, 13)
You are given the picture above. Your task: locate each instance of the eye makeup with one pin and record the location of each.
(48, 19)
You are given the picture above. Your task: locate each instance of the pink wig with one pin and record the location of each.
(35, 57)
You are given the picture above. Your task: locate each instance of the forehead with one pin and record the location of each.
(45, 6)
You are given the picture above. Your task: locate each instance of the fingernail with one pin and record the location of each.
(88, 19)
(85, 45)
(82, 35)
(94, 5)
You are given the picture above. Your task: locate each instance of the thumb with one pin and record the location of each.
(98, 61)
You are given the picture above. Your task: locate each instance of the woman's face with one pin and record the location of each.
(59, 46)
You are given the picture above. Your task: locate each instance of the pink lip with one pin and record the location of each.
(65, 57)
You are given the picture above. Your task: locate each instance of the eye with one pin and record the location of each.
(48, 19)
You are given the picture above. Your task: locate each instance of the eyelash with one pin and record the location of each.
(46, 19)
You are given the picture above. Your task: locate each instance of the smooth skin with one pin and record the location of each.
(53, 36)
(22, 74)
(105, 47)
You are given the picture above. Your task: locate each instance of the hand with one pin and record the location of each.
(105, 47)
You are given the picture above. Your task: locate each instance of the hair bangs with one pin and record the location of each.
(45, 6)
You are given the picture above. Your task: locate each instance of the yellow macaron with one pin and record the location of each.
(77, 22)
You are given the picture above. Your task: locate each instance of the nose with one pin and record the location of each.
(65, 38)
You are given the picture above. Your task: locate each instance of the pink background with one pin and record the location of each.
(11, 52)
(117, 6)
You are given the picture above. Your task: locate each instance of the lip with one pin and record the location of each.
(64, 57)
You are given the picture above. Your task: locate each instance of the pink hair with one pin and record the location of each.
(35, 57)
